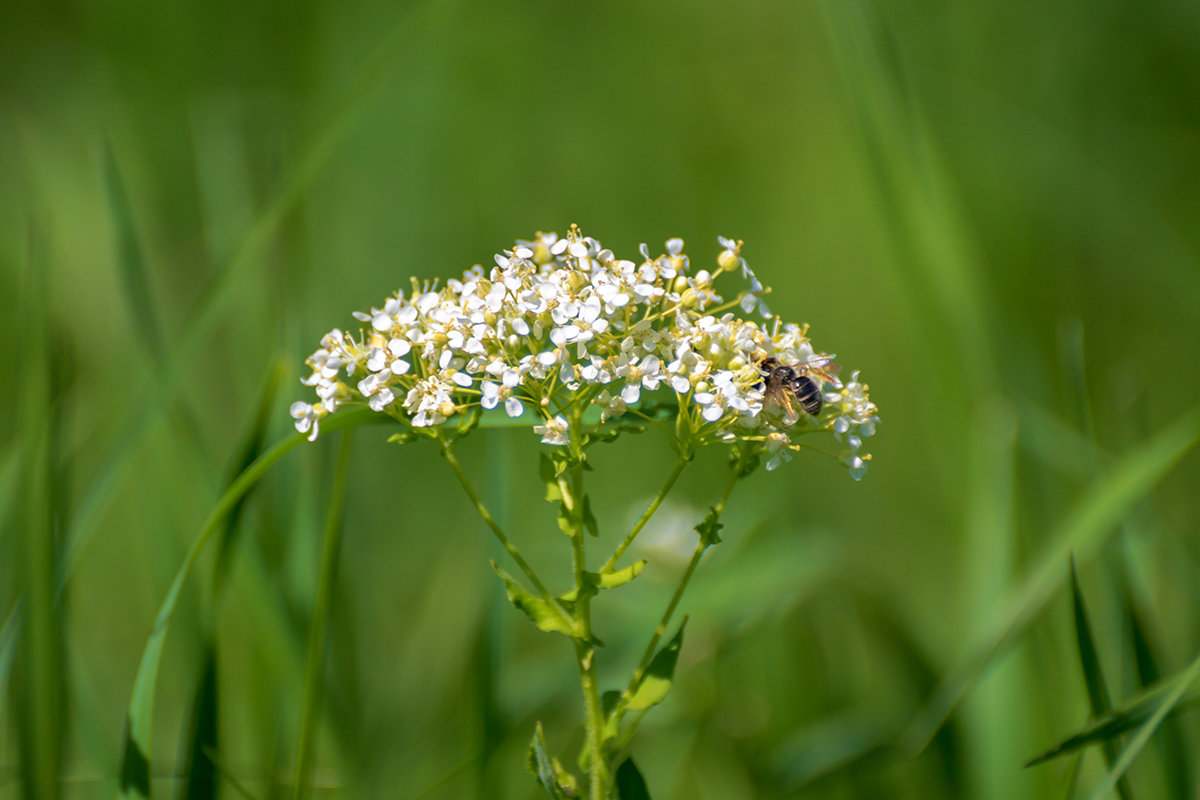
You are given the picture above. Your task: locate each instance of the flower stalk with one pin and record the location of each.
(589, 347)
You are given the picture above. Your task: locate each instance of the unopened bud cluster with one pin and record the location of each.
(560, 324)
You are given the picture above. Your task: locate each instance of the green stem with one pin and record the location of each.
(585, 653)
(665, 620)
(505, 542)
(314, 672)
(645, 518)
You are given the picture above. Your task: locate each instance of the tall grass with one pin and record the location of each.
(984, 205)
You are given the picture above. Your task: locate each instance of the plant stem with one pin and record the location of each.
(490, 521)
(314, 672)
(665, 620)
(645, 518)
(585, 652)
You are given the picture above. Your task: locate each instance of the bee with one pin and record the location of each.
(799, 382)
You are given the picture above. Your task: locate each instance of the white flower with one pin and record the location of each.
(555, 431)
(307, 417)
(557, 321)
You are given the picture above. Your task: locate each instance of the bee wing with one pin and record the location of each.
(823, 367)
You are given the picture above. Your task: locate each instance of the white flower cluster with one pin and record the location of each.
(562, 323)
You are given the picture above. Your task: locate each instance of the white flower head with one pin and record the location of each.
(558, 323)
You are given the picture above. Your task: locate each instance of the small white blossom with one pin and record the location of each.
(555, 431)
(557, 317)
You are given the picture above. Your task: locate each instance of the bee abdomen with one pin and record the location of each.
(808, 393)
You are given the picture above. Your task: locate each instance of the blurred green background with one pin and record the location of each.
(988, 208)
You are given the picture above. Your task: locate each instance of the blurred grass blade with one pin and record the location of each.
(314, 672)
(630, 784)
(1139, 739)
(1093, 674)
(200, 774)
(299, 176)
(1132, 713)
(844, 742)
(39, 683)
(1088, 525)
(250, 450)
(1177, 764)
(139, 299)
(131, 261)
(204, 726)
(135, 761)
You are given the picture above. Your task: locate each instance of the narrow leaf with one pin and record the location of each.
(314, 669)
(1135, 745)
(589, 519)
(200, 782)
(1089, 524)
(1093, 674)
(135, 763)
(539, 612)
(630, 783)
(611, 580)
(131, 261)
(656, 682)
(1178, 765)
(1127, 717)
(539, 764)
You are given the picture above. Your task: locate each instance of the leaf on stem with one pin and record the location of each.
(630, 783)
(611, 580)
(589, 519)
(656, 681)
(549, 772)
(539, 612)
(549, 471)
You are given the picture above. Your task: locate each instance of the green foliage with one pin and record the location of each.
(630, 783)
(1093, 675)
(204, 194)
(540, 612)
(659, 675)
(1135, 712)
(549, 772)
(611, 580)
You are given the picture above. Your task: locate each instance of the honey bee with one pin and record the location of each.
(799, 382)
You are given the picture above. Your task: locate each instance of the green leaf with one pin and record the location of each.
(549, 475)
(200, 771)
(656, 682)
(1178, 766)
(709, 527)
(550, 774)
(565, 523)
(1085, 528)
(1093, 675)
(135, 763)
(1133, 712)
(630, 783)
(589, 519)
(539, 612)
(135, 277)
(611, 580)
(1147, 729)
